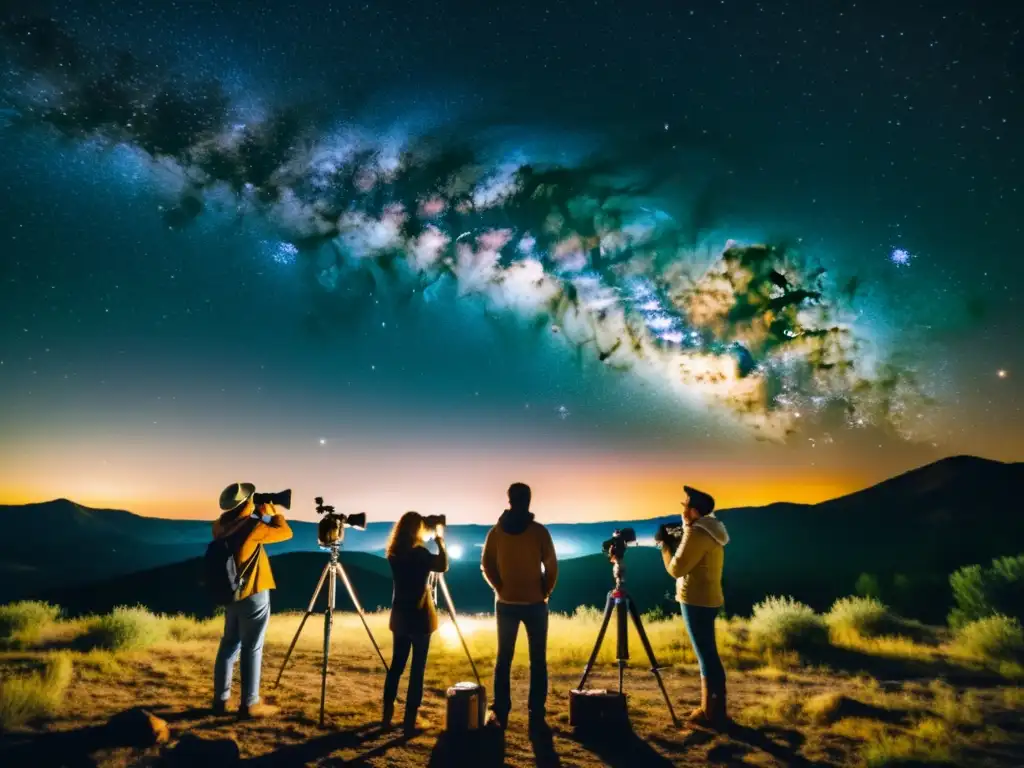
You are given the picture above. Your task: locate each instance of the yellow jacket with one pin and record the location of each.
(519, 560)
(697, 563)
(256, 575)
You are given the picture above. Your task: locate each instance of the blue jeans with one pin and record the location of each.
(535, 617)
(700, 625)
(245, 625)
(403, 644)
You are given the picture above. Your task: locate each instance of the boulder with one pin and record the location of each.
(137, 727)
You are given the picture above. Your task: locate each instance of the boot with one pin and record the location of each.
(388, 714)
(699, 716)
(716, 711)
(258, 711)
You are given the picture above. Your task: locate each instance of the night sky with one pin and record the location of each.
(402, 254)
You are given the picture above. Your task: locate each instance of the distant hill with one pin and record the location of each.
(908, 532)
(583, 581)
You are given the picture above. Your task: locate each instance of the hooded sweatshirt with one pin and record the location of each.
(697, 563)
(519, 560)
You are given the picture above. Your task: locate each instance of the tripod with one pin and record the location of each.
(333, 569)
(622, 604)
(436, 579)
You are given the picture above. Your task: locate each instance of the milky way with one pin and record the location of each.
(577, 250)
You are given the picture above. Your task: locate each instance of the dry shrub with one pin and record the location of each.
(181, 628)
(125, 629)
(782, 623)
(992, 640)
(27, 697)
(22, 623)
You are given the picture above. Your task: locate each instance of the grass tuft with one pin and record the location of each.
(992, 640)
(125, 629)
(22, 623)
(781, 623)
(27, 697)
(929, 743)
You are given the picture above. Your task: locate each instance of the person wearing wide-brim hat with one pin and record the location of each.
(696, 563)
(246, 618)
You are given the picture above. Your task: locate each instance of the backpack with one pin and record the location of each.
(222, 578)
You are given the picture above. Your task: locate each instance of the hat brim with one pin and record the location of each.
(230, 505)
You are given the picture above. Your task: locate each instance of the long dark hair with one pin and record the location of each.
(405, 535)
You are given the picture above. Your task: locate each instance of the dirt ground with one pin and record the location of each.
(174, 683)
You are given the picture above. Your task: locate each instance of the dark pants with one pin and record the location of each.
(700, 625)
(419, 645)
(535, 617)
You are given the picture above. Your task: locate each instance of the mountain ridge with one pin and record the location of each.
(912, 529)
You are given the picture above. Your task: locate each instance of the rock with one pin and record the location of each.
(137, 728)
(192, 751)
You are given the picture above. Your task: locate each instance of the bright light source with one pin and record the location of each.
(456, 551)
(1001, 373)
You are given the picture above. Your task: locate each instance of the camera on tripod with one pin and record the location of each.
(615, 547)
(669, 535)
(331, 530)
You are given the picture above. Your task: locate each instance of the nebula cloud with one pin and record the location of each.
(577, 250)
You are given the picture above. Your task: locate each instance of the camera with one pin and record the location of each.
(669, 535)
(432, 523)
(615, 547)
(278, 499)
(331, 530)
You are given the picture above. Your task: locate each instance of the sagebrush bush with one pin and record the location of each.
(126, 629)
(994, 639)
(183, 627)
(40, 694)
(864, 616)
(781, 623)
(983, 592)
(22, 623)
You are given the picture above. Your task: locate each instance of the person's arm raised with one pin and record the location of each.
(274, 528)
(692, 548)
(439, 562)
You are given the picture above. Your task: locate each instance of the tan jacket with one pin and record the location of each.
(697, 563)
(258, 576)
(519, 560)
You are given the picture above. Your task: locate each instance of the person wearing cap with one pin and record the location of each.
(697, 566)
(245, 620)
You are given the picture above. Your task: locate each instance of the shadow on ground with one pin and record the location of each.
(485, 747)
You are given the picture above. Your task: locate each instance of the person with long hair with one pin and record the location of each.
(413, 613)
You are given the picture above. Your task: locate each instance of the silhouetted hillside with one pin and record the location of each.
(909, 533)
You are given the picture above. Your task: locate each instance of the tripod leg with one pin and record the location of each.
(608, 607)
(359, 610)
(328, 626)
(655, 667)
(455, 623)
(622, 636)
(309, 610)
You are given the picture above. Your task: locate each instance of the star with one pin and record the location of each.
(1001, 373)
(900, 257)
(323, 441)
